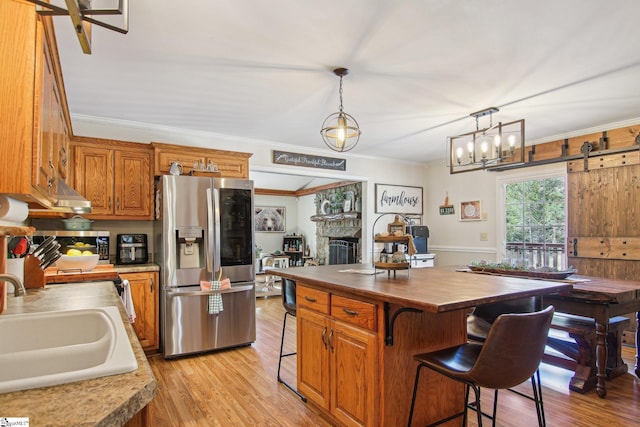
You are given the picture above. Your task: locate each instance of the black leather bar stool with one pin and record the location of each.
(289, 304)
(479, 323)
(510, 355)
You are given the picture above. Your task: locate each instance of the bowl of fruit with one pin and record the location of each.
(78, 257)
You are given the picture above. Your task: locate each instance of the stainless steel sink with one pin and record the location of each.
(51, 348)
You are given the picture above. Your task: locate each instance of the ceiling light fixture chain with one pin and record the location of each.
(341, 94)
(340, 131)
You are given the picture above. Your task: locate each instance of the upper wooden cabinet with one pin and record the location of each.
(35, 125)
(231, 164)
(50, 131)
(115, 176)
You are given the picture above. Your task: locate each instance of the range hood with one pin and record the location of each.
(70, 201)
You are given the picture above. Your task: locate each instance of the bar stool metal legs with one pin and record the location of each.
(280, 380)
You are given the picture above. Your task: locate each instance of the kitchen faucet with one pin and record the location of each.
(18, 286)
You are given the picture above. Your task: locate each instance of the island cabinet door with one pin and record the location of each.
(313, 356)
(353, 374)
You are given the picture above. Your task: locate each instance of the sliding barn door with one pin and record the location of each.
(604, 217)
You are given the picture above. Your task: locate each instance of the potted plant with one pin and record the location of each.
(338, 200)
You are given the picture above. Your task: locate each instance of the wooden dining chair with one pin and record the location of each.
(510, 355)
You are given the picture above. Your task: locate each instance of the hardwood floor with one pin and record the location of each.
(239, 388)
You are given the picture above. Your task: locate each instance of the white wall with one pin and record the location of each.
(306, 209)
(453, 241)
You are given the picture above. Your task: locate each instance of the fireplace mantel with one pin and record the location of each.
(336, 217)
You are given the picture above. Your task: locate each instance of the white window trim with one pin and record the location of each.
(557, 170)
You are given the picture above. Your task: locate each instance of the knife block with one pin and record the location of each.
(33, 274)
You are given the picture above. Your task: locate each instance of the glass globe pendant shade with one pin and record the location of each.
(340, 132)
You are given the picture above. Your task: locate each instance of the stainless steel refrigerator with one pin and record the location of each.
(205, 224)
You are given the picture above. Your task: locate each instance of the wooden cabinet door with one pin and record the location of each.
(230, 167)
(186, 159)
(133, 183)
(60, 136)
(313, 356)
(17, 38)
(353, 374)
(44, 171)
(144, 292)
(93, 168)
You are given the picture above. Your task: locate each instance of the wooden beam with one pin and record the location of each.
(303, 192)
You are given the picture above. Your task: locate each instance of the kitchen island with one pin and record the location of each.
(358, 332)
(106, 401)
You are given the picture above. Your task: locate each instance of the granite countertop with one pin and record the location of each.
(136, 268)
(106, 401)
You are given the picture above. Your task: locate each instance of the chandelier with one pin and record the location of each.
(340, 131)
(497, 145)
(82, 15)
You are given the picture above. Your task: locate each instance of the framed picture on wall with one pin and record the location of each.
(270, 219)
(470, 211)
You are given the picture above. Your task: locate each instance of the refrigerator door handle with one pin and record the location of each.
(234, 289)
(216, 220)
(210, 221)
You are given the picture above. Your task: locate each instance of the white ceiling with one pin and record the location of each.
(263, 69)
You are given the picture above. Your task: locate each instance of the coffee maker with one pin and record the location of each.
(132, 249)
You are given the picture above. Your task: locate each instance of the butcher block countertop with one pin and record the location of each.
(430, 289)
(106, 401)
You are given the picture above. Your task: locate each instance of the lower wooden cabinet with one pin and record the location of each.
(338, 356)
(145, 292)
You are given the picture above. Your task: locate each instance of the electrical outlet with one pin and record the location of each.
(484, 237)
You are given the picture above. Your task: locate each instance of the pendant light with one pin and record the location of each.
(340, 131)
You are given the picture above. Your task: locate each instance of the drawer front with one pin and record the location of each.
(352, 311)
(312, 299)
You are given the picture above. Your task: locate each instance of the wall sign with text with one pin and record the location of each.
(398, 199)
(309, 161)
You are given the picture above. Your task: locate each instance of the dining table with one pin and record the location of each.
(601, 299)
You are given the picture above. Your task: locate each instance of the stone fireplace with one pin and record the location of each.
(349, 230)
(343, 224)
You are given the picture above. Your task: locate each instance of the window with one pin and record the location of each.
(534, 222)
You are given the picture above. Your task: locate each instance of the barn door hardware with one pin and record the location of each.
(586, 148)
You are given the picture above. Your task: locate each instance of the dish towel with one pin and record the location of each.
(127, 300)
(215, 300)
